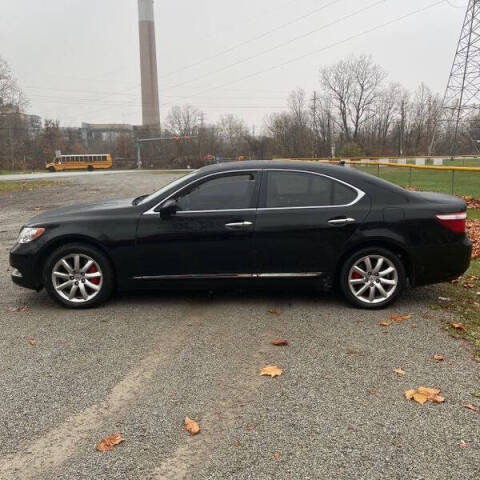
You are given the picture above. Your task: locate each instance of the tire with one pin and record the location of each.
(90, 168)
(352, 281)
(51, 169)
(94, 285)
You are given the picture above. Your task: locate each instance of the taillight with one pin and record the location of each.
(453, 221)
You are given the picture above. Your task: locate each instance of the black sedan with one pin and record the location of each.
(249, 221)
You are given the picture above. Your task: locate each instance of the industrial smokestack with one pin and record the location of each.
(148, 64)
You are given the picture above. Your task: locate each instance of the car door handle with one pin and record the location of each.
(341, 221)
(238, 225)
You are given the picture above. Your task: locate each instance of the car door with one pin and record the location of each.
(210, 233)
(303, 222)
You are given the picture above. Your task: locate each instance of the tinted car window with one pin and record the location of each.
(295, 189)
(222, 193)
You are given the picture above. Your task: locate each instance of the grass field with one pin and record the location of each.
(464, 183)
(9, 187)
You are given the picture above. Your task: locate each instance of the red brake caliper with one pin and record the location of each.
(94, 269)
(356, 275)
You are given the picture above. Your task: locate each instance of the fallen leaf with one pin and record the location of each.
(22, 308)
(108, 443)
(473, 407)
(276, 455)
(279, 342)
(271, 370)
(250, 427)
(401, 318)
(274, 312)
(236, 444)
(419, 398)
(444, 299)
(424, 394)
(384, 324)
(409, 394)
(457, 326)
(399, 371)
(191, 426)
(374, 392)
(438, 357)
(32, 342)
(463, 444)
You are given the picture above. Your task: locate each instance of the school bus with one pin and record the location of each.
(80, 162)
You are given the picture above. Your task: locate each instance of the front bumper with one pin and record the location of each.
(25, 261)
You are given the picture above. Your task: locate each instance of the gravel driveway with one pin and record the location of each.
(143, 362)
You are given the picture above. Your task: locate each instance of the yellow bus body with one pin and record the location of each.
(80, 162)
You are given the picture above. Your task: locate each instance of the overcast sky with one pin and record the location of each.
(78, 60)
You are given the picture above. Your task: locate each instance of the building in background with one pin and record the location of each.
(148, 64)
(104, 132)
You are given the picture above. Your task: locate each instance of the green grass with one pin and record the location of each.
(11, 186)
(473, 213)
(19, 172)
(464, 302)
(465, 183)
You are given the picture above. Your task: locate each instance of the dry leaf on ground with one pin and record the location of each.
(473, 407)
(384, 324)
(438, 357)
(191, 426)
(401, 318)
(109, 442)
(473, 230)
(274, 312)
(271, 370)
(457, 326)
(32, 342)
(399, 371)
(278, 342)
(22, 308)
(424, 394)
(276, 455)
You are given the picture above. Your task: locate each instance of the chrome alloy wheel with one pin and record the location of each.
(373, 279)
(77, 278)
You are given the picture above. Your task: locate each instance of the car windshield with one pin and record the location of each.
(167, 187)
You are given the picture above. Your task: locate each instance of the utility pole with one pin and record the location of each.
(461, 101)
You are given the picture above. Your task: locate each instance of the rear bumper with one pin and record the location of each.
(436, 264)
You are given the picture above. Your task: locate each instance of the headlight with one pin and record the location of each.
(28, 234)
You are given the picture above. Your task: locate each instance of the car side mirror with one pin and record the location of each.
(168, 209)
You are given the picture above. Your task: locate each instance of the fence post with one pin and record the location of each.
(410, 177)
(453, 182)
(378, 169)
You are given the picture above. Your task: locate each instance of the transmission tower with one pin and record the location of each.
(461, 102)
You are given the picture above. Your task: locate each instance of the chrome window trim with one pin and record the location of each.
(201, 276)
(360, 193)
(152, 211)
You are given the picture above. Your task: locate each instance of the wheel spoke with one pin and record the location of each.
(66, 276)
(83, 291)
(87, 266)
(357, 281)
(368, 264)
(67, 266)
(76, 263)
(378, 266)
(386, 281)
(386, 271)
(92, 286)
(357, 269)
(93, 275)
(73, 291)
(362, 290)
(64, 285)
(381, 290)
(371, 293)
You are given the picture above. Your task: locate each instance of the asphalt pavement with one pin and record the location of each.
(143, 362)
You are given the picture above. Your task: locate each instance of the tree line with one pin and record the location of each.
(354, 112)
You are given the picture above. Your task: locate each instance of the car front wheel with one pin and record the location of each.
(78, 276)
(372, 278)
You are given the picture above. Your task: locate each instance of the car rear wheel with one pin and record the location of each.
(78, 276)
(51, 169)
(90, 168)
(372, 278)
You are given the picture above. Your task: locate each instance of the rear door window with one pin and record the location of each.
(302, 189)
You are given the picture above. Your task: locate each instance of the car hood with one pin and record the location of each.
(81, 210)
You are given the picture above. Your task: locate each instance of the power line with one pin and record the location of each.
(301, 57)
(251, 40)
(280, 45)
